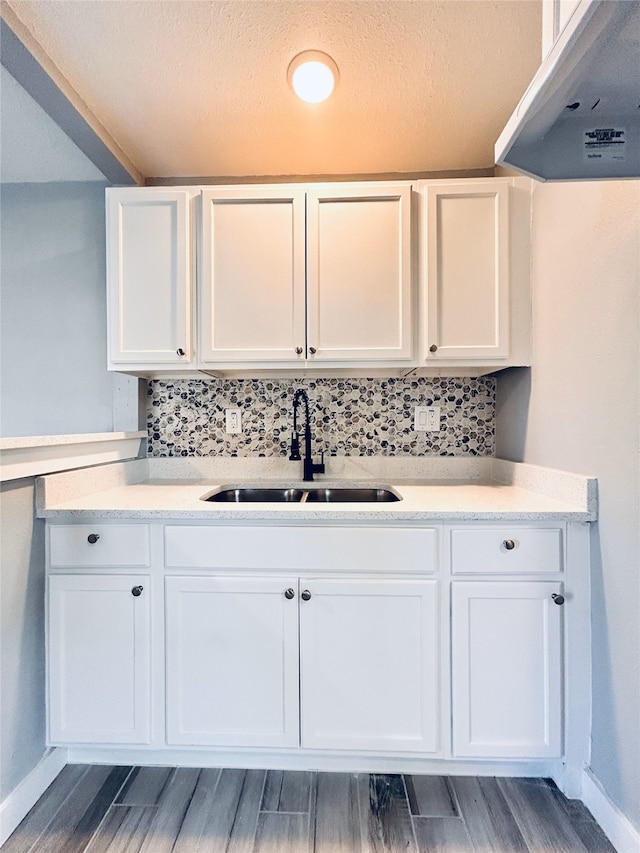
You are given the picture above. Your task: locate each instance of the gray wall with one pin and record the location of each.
(53, 310)
(22, 663)
(578, 409)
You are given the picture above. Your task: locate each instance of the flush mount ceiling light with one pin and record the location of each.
(313, 76)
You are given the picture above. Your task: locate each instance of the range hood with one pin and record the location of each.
(580, 117)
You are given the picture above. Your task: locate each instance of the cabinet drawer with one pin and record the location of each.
(115, 545)
(506, 550)
(302, 548)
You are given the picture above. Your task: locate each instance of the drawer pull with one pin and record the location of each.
(136, 591)
(306, 595)
(92, 538)
(509, 544)
(557, 599)
(289, 593)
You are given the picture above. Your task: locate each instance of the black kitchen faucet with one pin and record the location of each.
(309, 467)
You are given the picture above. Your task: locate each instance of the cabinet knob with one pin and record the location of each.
(557, 598)
(180, 351)
(136, 591)
(92, 538)
(305, 595)
(313, 350)
(299, 350)
(509, 544)
(433, 348)
(289, 593)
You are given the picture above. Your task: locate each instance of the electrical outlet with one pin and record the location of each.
(426, 418)
(233, 420)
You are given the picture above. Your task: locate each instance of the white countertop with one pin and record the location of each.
(156, 489)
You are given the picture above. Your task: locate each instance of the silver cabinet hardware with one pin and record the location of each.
(136, 591)
(299, 350)
(289, 593)
(433, 348)
(305, 595)
(557, 598)
(92, 538)
(509, 544)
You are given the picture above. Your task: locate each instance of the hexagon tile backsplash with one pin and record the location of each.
(349, 417)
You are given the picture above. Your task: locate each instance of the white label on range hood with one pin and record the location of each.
(604, 144)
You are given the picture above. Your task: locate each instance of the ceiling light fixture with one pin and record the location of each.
(313, 76)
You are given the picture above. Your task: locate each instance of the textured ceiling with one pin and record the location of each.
(196, 88)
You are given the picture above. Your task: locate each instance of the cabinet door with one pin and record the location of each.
(359, 273)
(506, 669)
(232, 661)
(99, 659)
(465, 271)
(148, 278)
(252, 282)
(369, 665)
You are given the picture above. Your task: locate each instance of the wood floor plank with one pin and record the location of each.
(123, 830)
(335, 824)
(198, 813)
(171, 810)
(27, 833)
(144, 786)
(74, 825)
(384, 813)
(286, 791)
(218, 821)
(487, 815)
(282, 832)
(243, 832)
(444, 835)
(589, 832)
(542, 822)
(430, 796)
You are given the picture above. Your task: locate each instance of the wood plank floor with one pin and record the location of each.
(96, 809)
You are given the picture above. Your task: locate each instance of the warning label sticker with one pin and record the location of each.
(604, 144)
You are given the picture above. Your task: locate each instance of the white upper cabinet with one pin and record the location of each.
(252, 282)
(148, 279)
(465, 272)
(321, 276)
(329, 284)
(359, 273)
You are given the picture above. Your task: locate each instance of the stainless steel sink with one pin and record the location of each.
(319, 494)
(242, 494)
(350, 494)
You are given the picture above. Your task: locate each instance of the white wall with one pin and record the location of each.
(53, 310)
(22, 663)
(578, 409)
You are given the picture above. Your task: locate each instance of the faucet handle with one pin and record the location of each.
(294, 456)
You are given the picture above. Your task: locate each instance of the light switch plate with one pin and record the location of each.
(426, 418)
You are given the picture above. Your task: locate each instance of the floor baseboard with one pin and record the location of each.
(17, 805)
(618, 829)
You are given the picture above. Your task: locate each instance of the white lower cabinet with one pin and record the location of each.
(367, 669)
(443, 643)
(232, 661)
(506, 669)
(369, 664)
(99, 659)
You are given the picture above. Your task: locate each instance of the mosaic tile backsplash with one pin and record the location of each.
(350, 417)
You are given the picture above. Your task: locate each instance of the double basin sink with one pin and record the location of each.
(304, 494)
